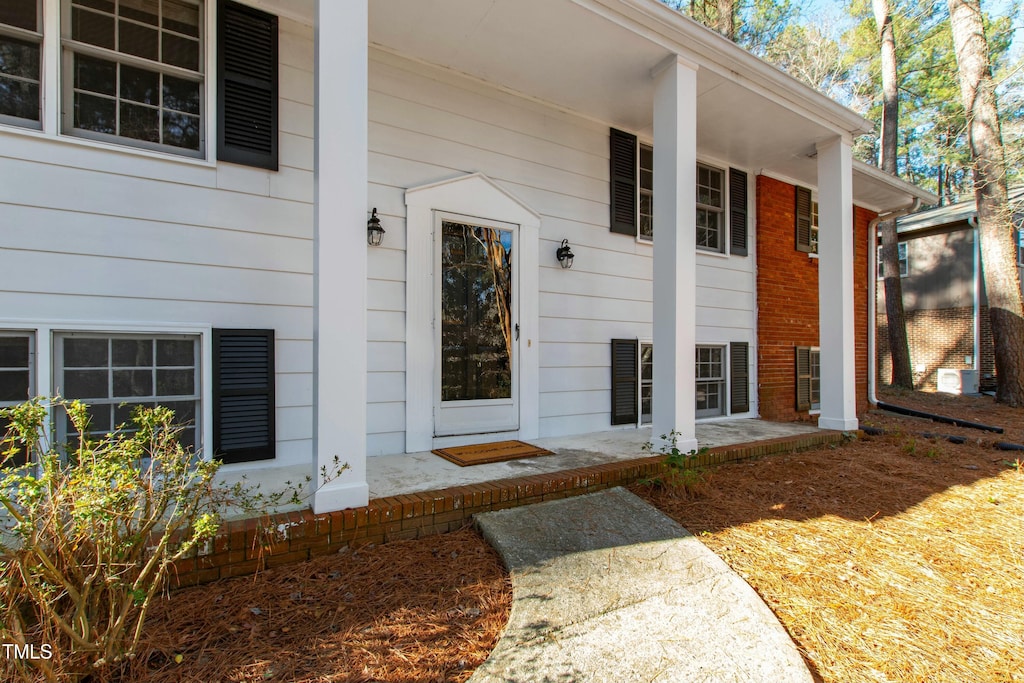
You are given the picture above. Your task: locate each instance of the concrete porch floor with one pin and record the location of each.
(392, 475)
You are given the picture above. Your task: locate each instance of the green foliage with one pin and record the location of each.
(91, 531)
(681, 474)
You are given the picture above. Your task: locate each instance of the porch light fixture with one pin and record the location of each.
(565, 255)
(374, 231)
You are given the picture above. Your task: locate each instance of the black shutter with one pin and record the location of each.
(623, 182)
(803, 378)
(739, 377)
(737, 212)
(624, 381)
(803, 220)
(246, 86)
(243, 395)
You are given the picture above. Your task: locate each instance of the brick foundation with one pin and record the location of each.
(787, 301)
(237, 551)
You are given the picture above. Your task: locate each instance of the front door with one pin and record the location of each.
(476, 330)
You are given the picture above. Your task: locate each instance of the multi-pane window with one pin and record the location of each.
(1020, 246)
(646, 381)
(815, 388)
(17, 383)
(133, 72)
(21, 39)
(814, 227)
(645, 186)
(710, 373)
(115, 373)
(710, 208)
(904, 260)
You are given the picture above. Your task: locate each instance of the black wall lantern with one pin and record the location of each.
(374, 231)
(565, 255)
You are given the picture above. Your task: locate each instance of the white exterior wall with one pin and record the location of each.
(108, 238)
(102, 237)
(427, 125)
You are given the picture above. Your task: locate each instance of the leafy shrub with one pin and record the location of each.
(681, 473)
(91, 532)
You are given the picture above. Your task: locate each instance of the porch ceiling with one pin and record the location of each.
(595, 58)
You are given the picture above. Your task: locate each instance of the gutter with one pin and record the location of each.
(873, 289)
(972, 221)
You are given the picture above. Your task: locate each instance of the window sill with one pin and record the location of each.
(712, 254)
(813, 255)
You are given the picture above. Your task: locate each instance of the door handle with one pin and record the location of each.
(517, 331)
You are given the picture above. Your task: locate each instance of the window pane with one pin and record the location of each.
(20, 13)
(85, 353)
(181, 95)
(181, 130)
(181, 17)
(132, 353)
(183, 52)
(19, 58)
(184, 411)
(133, 383)
(175, 382)
(146, 11)
(95, 113)
(99, 419)
(123, 412)
(14, 385)
(104, 5)
(137, 40)
(19, 99)
(95, 75)
(140, 122)
(140, 85)
(85, 384)
(175, 352)
(90, 27)
(14, 352)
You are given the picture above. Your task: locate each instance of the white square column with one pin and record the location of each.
(339, 252)
(675, 253)
(835, 286)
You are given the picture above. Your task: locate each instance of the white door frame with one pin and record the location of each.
(473, 196)
(479, 416)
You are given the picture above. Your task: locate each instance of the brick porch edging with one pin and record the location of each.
(236, 550)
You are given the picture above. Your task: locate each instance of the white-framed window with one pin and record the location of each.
(814, 227)
(646, 365)
(132, 73)
(114, 373)
(710, 372)
(645, 190)
(21, 38)
(17, 373)
(710, 208)
(903, 252)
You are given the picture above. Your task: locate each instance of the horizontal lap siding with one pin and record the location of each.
(428, 125)
(96, 233)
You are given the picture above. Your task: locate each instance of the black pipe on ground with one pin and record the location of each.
(1007, 446)
(938, 418)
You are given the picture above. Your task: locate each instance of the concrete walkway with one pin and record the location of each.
(606, 588)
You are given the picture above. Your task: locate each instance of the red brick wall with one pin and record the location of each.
(787, 300)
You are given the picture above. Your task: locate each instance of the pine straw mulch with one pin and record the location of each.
(424, 610)
(891, 558)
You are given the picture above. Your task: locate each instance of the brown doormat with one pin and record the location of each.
(482, 453)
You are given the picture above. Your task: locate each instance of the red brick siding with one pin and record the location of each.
(938, 338)
(787, 295)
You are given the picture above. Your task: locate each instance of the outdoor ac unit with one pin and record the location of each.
(958, 381)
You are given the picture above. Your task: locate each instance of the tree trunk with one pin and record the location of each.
(899, 349)
(995, 228)
(725, 21)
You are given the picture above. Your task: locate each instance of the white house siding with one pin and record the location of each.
(101, 237)
(427, 125)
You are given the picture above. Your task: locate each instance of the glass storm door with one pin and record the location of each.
(476, 330)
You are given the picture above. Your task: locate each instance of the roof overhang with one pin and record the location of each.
(595, 58)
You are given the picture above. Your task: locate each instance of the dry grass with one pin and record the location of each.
(894, 558)
(409, 611)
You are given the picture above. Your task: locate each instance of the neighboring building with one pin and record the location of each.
(186, 188)
(943, 296)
